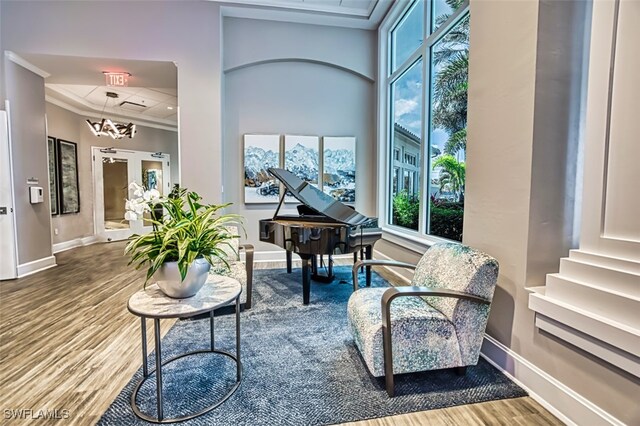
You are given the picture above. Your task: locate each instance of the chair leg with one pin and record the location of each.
(247, 304)
(249, 270)
(388, 360)
(461, 371)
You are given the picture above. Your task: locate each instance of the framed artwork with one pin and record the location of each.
(260, 153)
(68, 176)
(53, 174)
(302, 158)
(339, 167)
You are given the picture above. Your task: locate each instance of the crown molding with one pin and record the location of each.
(17, 59)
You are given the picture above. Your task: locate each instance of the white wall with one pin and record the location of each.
(64, 124)
(290, 78)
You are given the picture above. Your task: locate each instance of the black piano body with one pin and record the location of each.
(324, 226)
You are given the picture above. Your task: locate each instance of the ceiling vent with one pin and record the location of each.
(132, 106)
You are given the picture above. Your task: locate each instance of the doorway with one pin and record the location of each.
(113, 171)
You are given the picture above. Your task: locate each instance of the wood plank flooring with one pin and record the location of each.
(67, 342)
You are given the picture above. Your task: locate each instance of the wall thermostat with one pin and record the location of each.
(36, 194)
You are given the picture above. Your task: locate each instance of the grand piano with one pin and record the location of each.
(323, 226)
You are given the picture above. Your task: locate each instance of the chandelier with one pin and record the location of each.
(107, 127)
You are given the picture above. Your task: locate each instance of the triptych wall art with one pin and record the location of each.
(63, 176)
(305, 156)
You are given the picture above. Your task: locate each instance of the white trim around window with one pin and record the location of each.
(419, 239)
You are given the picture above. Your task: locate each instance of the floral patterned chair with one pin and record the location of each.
(238, 269)
(436, 322)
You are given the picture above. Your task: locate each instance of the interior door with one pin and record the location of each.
(8, 259)
(154, 174)
(114, 170)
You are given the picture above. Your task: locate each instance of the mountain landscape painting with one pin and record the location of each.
(339, 168)
(302, 158)
(260, 153)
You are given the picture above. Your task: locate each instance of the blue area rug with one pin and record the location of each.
(300, 366)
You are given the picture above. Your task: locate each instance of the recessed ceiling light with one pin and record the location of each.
(169, 107)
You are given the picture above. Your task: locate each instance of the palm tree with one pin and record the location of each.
(452, 175)
(456, 142)
(451, 61)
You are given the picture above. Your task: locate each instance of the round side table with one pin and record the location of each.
(151, 303)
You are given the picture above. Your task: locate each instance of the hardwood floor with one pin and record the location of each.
(67, 342)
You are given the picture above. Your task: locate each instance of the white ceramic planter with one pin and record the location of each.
(169, 280)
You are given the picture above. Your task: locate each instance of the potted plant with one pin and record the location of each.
(187, 238)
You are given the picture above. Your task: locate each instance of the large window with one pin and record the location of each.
(428, 43)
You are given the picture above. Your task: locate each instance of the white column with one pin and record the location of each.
(593, 302)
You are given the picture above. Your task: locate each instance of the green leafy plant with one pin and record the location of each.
(184, 229)
(406, 209)
(446, 219)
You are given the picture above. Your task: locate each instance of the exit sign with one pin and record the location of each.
(117, 79)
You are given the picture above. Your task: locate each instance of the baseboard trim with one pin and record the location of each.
(77, 242)
(39, 265)
(280, 256)
(380, 255)
(569, 406)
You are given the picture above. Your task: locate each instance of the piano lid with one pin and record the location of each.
(318, 200)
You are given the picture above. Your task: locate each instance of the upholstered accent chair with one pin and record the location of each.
(437, 322)
(238, 269)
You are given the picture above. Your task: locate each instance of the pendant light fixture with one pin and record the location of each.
(107, 127)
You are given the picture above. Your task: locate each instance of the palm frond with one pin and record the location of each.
(456, 142)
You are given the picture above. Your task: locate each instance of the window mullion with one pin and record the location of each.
(428, 9)
(406, 65)
(426, 164)
(424, 149)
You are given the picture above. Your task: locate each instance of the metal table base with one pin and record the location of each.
(159, 364)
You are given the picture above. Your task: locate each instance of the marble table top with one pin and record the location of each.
(153, 303)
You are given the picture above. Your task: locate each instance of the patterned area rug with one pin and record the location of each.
(300, 366)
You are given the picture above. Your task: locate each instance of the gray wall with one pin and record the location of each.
(561, 77)
(189, 34)
(25, 91)
(521, 179)
(523, 145)
(70, 126)
(285, 78)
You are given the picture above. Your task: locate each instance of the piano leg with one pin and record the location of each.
(306, 278)
(368, 252)
(288, 262)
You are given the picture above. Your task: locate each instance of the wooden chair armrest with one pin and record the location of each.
(248, 264)
(248, 248)
(374, 262)
(394, 292)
